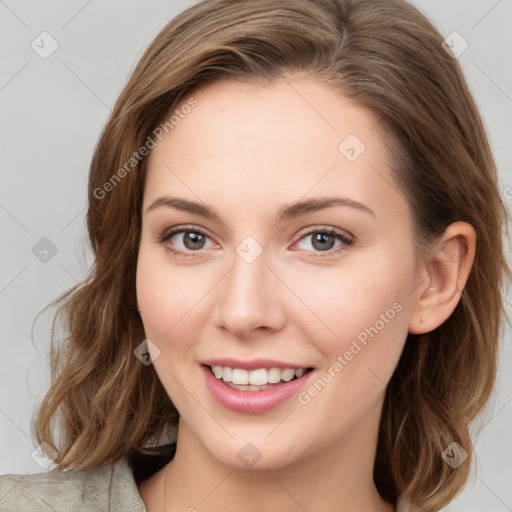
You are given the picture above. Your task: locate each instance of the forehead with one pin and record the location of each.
(294, 110)
(283, 140)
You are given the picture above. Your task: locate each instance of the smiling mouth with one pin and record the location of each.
(256, 380)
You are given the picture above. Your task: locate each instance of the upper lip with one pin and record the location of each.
(253, 364)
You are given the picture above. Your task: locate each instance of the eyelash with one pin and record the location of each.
(317, 254)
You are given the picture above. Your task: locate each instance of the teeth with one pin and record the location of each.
(258, 377)
(227, 374)
(288, 374)
(239, 376)
(254, 380)
(274, 375)
(248, 388)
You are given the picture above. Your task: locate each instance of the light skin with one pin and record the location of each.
(246, 151)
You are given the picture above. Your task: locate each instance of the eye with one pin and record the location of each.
(193, 239)
(188, 239)
(323, 240)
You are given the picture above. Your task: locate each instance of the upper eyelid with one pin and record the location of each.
(331, 229)
(184, 229)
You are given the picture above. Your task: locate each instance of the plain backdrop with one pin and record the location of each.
(63, 63)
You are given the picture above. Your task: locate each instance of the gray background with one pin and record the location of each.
(53, 110)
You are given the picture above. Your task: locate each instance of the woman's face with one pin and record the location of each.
(293, 250)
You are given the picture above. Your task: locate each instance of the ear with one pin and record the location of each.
(442, 277)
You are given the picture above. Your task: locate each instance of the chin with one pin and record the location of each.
(257, 455)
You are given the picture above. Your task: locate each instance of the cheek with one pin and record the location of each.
(170, 304)
(364, 326)
(355, 303)
(172, 299)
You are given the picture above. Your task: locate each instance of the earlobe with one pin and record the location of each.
(447, 270)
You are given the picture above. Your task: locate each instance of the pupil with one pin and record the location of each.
(196, 240)
(321, 237)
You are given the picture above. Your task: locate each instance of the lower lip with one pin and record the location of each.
(252, 402)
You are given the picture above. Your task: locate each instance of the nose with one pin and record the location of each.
(250, 299)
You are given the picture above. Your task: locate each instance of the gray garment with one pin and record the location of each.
(107, 488)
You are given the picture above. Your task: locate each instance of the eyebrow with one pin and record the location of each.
(287, 212)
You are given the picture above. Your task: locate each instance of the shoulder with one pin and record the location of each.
(110, 487)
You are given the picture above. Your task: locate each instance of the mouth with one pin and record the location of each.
(258, 379)
(258, 387)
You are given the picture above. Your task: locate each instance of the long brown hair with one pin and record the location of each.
(382, 54)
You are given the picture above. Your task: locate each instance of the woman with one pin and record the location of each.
(298, 262)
